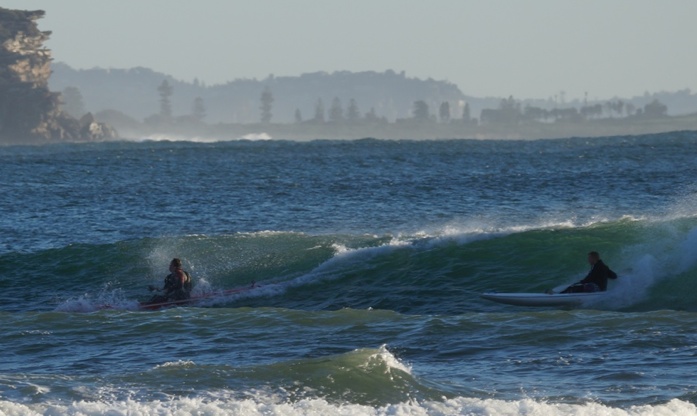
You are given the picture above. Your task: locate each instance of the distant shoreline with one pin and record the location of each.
(418, 131)
(220, 133)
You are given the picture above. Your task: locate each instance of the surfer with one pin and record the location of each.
(177, 284)
(596, 280)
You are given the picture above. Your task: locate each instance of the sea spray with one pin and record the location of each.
(369, 259)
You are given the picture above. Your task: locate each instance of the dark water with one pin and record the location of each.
(370, 255)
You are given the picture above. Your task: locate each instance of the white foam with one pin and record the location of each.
(107, 298)
(268, 406)
(180, 363)
(383, 355)
(261, 136)
(666, 253)
(256, 136)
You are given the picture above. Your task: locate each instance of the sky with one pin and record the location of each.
(568, 49)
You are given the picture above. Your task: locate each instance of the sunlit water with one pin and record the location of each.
(369, 258)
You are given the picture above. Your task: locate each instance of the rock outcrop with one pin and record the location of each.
(29, 111)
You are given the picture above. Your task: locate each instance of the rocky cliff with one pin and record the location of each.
(29, 111)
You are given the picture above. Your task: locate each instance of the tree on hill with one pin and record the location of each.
(591, 111)
(629, 109)
(352, 113)
(508, 113)
(444, 112)
(421, 111)
(165, 91)
(655, 109)
(298, 116)
(466, 114)
(198, 111)
(336, 111)
(614, 107)
(510, 109)
(73, 103)
(319, 111)
(266, 104)
(371, 115)
(535, 113)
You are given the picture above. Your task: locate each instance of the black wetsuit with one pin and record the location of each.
(599, 275)
(174, 289)
(177, 290)
(595, 281)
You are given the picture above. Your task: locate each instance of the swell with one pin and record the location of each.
(107, 192)
(369, 376)
(415, 274)
(245, 354)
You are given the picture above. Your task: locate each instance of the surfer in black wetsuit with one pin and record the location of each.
(596, 280)
(177, 284)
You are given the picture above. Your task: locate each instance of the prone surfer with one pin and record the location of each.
(177, 284)
(596, 280)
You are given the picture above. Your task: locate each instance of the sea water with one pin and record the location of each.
(368, 258)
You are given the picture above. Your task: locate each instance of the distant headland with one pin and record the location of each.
(140, 102)
(29, 111)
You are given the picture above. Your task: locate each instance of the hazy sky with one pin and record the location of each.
(528, 49)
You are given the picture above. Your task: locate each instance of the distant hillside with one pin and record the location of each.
(388, 95)
(134, 92)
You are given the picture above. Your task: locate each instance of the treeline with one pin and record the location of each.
(511, 111)
(510, 119)
(133, 92)
(359, 105)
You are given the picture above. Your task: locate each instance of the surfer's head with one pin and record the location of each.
(176, 263)
(593, 257)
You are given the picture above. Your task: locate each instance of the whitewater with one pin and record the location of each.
(368, 259)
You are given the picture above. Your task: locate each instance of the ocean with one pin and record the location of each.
(368, 259)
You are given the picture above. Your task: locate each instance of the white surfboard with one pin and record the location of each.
(544, 299)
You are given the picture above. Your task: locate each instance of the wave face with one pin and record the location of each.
(368, 259)
(420, 274)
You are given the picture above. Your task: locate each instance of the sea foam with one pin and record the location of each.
(459, 406)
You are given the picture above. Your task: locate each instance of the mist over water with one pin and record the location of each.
(369, 259)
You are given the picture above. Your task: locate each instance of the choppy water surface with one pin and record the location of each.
(369, 258)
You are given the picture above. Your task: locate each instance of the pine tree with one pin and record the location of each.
(336, 112)
(298, 116)
(165, 91)
(466, 116)
(266, 104)
(352, 114)
(319, 111)
(421, 111)
(198, 111)
(444, 112)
